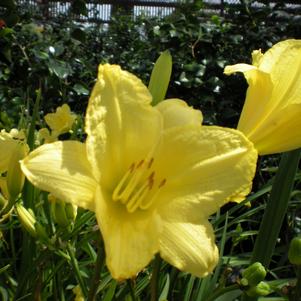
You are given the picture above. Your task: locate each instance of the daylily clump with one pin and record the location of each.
(271, 114)
(152, 175)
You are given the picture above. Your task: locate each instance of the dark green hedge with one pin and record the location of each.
(62, 57)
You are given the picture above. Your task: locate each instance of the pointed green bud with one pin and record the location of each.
(27, 219)
(15, 177)
(294, 252)
(261, 289)
(253, 274)
(160, 77)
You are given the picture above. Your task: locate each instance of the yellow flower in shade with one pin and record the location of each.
(152, 175)
(12, 150)
(61, 121)
(78, 293)
(46, 136)
(271, 114)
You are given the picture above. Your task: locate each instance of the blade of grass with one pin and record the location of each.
(276, 208)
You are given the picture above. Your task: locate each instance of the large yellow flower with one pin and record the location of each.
(271, 114)
(153, 175)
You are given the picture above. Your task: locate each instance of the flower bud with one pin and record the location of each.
(27, 219)
(61, 212)
(261, 289)
(294, 252)
(15, 177)
(253, 274)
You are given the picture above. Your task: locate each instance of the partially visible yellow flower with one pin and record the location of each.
(78, 293)
(12, 150)
(271, 114)
(152, 175)
(61, 121)
(46, 136)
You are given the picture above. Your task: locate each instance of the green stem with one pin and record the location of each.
(98, 267)
(75, 267)
(222, 291)
(297, 295)
(275, 211)
(276, 208)
(155, 278)
(131, 288)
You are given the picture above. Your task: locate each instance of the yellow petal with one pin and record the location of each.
(131, 239)
(176, 112)
(204, 167)
(281, 131)
(238, 68)
(189, 247)
(7, 147)
(121, 125)
(258, 100)
(3, 187)
(62, 168)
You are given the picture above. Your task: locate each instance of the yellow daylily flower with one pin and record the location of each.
(271, 114)
(12, 149)
(46, 136)
(61, 121)
(152, 175)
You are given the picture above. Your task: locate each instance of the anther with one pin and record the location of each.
(150, 163)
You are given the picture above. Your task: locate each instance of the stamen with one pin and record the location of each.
(122, 184)
(137, 198)
(150, 199)
(150, 163)
(138, 187)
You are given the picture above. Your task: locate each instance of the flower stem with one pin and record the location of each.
(131, 288)
(297, 293)
(98, 267)
(75, 267)
(155, 278)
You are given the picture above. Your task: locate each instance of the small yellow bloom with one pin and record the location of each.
(152, 175)
(46, 136)
(271, 114)
(78, 293)
(61, 121)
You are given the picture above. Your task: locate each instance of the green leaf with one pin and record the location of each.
(160, 77)
(59, 68)
(80, 89)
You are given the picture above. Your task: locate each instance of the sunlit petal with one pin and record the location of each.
(190, 248)
(131, 239)
(62, 168)
(121, 125)
(204, 167)
(176, 112)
